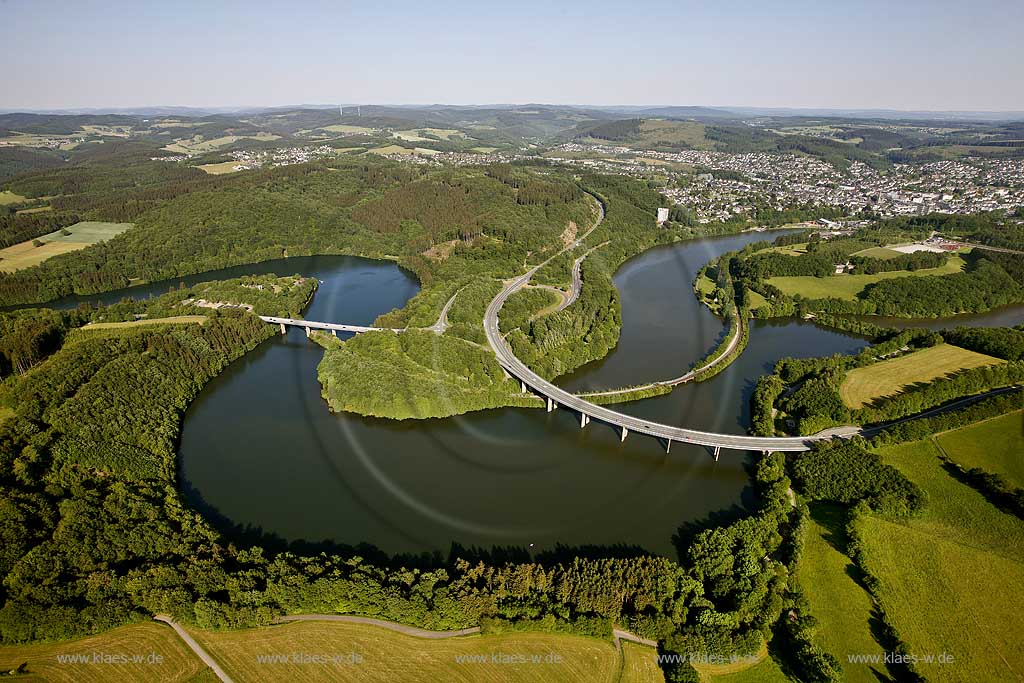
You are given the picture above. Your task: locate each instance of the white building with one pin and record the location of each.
(662, 216)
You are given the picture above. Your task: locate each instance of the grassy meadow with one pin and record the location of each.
(883, 253)
(765, 671)
(849, 285)
(888, 377)
(177, 664)
(842, 606)
(26, 254)
(951, 578)
(8, 197)
(995, 445)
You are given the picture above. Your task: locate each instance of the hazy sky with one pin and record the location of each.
(900, 54)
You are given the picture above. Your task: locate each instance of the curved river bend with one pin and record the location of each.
(260, 450)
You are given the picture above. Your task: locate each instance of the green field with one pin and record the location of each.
(218, 169)
(848, 286)
(36, 209)
(790, 249)
(765, 671)
(951, 579)
(888, 377)
(877, 252)
(757, 301)
(397, 149)
(388, 656)
(640, 664)
(842, 607)
(199, 145)
(26, 254)
(178, 663)
(8, 197)
(342, 128)
(655, 131)
(995, 445)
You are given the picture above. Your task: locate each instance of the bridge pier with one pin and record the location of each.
(584, 419)
(309, 331)
(718, 449)
(522, 387)
(551, 404)
(624, 433)
(668, 445)
(284, 330)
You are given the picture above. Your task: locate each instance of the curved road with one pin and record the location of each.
(587, 410)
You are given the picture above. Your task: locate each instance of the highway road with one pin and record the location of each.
(588, 410)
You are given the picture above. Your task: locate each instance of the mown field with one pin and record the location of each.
(26, 254)
(640, 664)
(848, 286)
(176, 319)
(149, 640)
(388, 656)
(842, 607)
(878, 252)
(951, 579)
(995, 445)
(888, 377)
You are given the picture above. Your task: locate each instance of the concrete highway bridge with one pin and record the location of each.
(310, 325)
(557, 397)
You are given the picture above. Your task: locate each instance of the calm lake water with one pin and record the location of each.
(260, 450)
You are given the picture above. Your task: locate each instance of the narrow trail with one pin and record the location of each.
(195, 647)
(390, 625)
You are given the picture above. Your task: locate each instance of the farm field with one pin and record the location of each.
(8, 197)
(178, 663)
(950, 578)
(388, 656)
(485, 150)
(26, 254)
(198, 144)
(37, 209)
(218, 169)
(655, 131)
(640, 664)
(173, 320)
(888, 377)
(26, 140)
(342, 128)
(422, 134)
(848, 286)
(841, 606)
(396, 149)
(995, 445)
